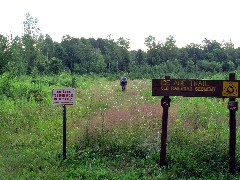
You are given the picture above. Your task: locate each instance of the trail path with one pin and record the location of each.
(136, 105)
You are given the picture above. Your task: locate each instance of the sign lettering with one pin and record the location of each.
(64, 96)
(195, 88)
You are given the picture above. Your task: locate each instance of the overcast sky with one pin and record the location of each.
(188, 21)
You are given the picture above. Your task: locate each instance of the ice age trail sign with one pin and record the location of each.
(64, 96)
(195, 88)
(198, 88)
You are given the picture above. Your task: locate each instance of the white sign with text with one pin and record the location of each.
(63, 96)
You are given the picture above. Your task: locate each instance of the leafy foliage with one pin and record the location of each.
(37, 53)
(110, 135)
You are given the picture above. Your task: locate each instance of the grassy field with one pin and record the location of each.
(110, 134)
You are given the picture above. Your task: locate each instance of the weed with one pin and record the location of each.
(110, 134)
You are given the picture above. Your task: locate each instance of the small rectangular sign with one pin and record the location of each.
(63, 96)
(195, 88)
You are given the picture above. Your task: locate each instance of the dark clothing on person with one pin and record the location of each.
(123, 83)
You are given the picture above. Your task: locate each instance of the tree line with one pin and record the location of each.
(34, 53)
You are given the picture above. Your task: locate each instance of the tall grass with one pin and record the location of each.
(110, 134)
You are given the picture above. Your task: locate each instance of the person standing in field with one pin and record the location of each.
(123, 83)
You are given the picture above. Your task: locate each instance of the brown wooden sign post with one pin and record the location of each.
(165, 103)
(198, 88)
(232, 106)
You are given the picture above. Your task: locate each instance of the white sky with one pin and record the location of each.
(188, 21)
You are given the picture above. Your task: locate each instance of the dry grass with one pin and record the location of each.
(129, 111)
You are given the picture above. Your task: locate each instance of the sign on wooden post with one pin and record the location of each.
(199, 88)
(195, 88)
(64, 96)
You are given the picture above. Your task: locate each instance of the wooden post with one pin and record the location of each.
(232, 133)
(188, 88)
(165, 103)
(64, 133)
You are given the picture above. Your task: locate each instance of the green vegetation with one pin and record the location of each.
(110, 134)
(36, 53)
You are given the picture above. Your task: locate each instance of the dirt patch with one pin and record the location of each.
(150, 110)
(112, 117)
(117, 117)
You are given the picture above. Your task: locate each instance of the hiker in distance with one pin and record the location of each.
(123, 83)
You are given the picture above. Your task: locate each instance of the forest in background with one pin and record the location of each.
(35, 53)
(110, 134)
